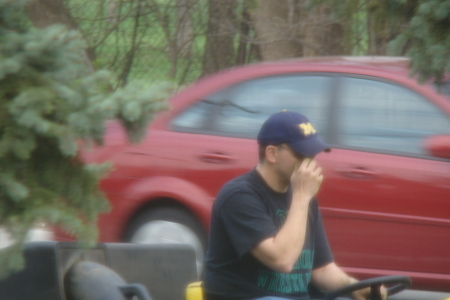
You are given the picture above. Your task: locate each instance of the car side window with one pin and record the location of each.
(252, 102)
(383, 116)
(240, 110)
(197, 118)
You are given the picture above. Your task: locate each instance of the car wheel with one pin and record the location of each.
(167, 225)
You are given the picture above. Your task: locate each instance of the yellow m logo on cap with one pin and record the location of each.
(307, 128)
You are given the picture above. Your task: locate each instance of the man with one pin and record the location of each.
(267, 239)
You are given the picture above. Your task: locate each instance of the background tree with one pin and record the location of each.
(219, 48)
(175, 19)
(183, 40)
(427, 40)
(323, 32)
(49, 102)
(46, 12)
(277, 26)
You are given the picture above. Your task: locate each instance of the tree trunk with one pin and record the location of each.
(323, 35)
(113, 11)
(377, 27)
(185, 31)
(47, 12)
(242, 53)
(278, 28)
(219, 49)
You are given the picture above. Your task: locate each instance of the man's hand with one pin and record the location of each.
(306, 180)
(364, 294)
(330, 277)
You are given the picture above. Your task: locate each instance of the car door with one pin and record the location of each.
(386, 204)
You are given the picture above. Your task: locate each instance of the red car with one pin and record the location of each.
(386, 195)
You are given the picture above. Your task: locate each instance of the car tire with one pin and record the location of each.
(165, 225)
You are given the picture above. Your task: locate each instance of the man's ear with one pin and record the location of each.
(271, 154)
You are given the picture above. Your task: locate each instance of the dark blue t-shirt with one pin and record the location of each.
(245, 213)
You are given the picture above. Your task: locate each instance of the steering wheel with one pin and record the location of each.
(399, 284)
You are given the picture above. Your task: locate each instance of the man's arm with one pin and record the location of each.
(330, 277)
(281, 252)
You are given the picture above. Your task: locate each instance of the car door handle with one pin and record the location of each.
(215, 157)
(357, 173)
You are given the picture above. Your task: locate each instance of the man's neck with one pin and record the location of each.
(271, 178)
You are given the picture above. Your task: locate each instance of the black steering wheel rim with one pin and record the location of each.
(400, 283)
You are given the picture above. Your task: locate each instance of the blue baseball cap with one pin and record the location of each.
(293, 129)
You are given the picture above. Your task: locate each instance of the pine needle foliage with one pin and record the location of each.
(427, 40)
(48, 104)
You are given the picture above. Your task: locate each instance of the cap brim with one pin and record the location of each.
(310, 147)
